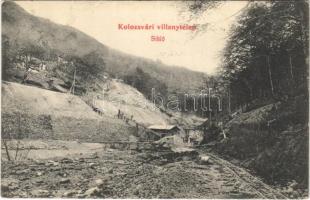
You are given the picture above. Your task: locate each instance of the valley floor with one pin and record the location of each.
(93, 170)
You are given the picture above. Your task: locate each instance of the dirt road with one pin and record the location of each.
(130, 174)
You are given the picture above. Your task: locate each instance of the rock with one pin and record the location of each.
(95, 155)
(63, 174)
(91, 191)
(64, 180)
(39, 173)
(21, 194)
(235, 161)
(39, 162)
(20, 172)
(40, 193)
(99, 182)
(39, 181)
(136, 192)
(92, 165)
(24, 178)
(80, 196)
(295, 194)
(66, 160)
(55, 169)
(121, 174)
(204, 158)
(48, 164)
(33, 167)
(4, 187)
(289, 190)
(69, 193)
(186, 158)
(293, 184)
(53, 163)
(210, 161)
(9, 184)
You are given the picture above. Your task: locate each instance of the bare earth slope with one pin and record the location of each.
(22, 98)
(45, 114)
(119, 96)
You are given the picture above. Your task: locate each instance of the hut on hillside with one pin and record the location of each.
(165, 130)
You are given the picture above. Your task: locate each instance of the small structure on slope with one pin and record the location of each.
(165, 130)
(195, 133)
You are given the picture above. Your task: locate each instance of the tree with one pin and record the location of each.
(266, 55)
(30, 51)
(145, 82)
(95, 63)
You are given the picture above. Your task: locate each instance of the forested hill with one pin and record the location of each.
(264, 82)
(24, 34)
(266, 56)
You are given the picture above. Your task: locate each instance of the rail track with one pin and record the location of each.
(253, 183)
(260, 188)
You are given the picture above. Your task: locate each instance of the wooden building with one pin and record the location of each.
(165, 130)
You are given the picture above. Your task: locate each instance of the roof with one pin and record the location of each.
(162, 127)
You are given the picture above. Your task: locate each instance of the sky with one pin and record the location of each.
(100, 19)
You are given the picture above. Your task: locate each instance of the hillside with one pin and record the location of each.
(20, 31)
(26, 99)
(30, 112)
(270, 140)
(121, 97)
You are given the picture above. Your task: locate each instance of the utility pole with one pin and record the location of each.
(73, 83)
(270, 77)
(229, 106)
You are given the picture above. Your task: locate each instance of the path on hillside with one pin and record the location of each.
(128, 174)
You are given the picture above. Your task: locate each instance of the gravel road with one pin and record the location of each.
(130, 174)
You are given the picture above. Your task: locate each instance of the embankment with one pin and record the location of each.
(30, 112)
(272, 141)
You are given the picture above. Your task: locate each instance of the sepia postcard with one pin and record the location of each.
(155, 99)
